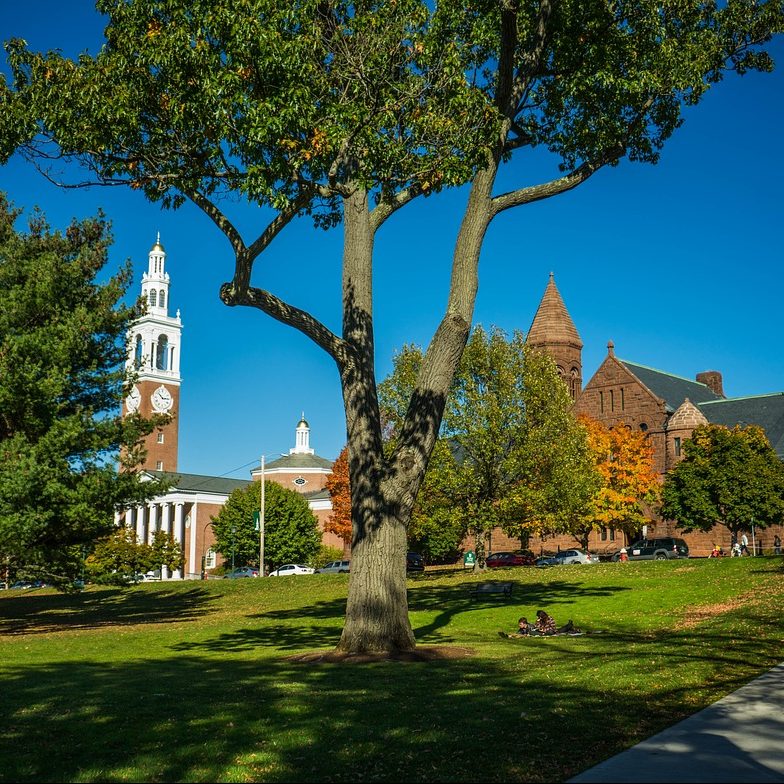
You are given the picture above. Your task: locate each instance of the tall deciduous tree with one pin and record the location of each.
(339, 487)
(727, 477)
(511, 452)
(629, 481)
(349, 111)
(62, 377)
(291, 532)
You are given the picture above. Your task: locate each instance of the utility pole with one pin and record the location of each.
(261, 522)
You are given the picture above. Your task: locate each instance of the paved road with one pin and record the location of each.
(740, 738)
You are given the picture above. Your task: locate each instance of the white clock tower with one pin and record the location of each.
(154, 351)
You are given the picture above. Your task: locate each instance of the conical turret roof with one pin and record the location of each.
(687, 417)
(552, 322)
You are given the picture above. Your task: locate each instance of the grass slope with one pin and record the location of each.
(190, 682)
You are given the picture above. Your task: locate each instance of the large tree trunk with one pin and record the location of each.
(383, 490)
(377, 607)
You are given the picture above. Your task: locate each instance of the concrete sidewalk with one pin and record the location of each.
(740, 738)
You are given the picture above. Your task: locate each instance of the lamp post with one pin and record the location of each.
(262, 504)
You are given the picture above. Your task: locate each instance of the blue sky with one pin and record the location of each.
(680, 264)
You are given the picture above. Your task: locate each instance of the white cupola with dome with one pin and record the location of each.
(155, 282)
(302, 438)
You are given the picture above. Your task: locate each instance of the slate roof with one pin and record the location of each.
(672, 389)
(552, 322)
(296, 461)
(199, 483)
(767, 411)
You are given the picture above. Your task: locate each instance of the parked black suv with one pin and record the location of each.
(414, 562)
(656, 550)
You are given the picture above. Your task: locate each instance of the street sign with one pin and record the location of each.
(257, 520)
(469, 559)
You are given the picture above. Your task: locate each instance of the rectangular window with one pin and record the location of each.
(601, 402)
(612, 400)
(210, 561)
(623, 400)
(612, 534)
(604, 534)
(677, 447)
(159, 465)
(160, 438)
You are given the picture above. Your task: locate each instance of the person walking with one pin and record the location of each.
(744, 545)
(777, 545)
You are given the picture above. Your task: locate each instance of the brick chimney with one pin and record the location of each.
(712, 380)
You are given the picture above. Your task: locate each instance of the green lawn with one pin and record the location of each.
(190, 682)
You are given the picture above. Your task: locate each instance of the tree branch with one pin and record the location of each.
(391, 205)
(301, 320)
(544, 191)
(219, 219)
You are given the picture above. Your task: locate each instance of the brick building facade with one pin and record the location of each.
(664, 406)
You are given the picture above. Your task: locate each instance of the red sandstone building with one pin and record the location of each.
(186, 511)
(664, 406)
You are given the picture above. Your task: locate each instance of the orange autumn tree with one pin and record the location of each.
(630, 483)
(339, 522)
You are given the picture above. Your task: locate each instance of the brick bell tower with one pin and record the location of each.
(154, 352)
(553, 331)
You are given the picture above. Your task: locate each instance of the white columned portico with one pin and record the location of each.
(140, 524)
(117, 518)
(153, 527)
(179, 524)
(166, 528)
(193, 566)
(129, 518)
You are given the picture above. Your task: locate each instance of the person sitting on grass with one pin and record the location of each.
(545, 624)
(544, 627)
(523, 629)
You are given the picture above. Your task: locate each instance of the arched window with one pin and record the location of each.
(153, 297)
(137, 352)
(643, 427)
(161, 354)
(162, 298)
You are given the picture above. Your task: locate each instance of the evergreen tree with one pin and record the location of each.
(62, 382)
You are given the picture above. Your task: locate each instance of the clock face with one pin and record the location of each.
(162, 400)
(133, 400)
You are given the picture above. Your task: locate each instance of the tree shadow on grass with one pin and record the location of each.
(319, 624)
(257, 717)
(45, 613)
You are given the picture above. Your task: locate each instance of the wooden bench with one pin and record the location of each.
(491, 589)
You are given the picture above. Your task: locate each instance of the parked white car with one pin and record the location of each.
(287, 569)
